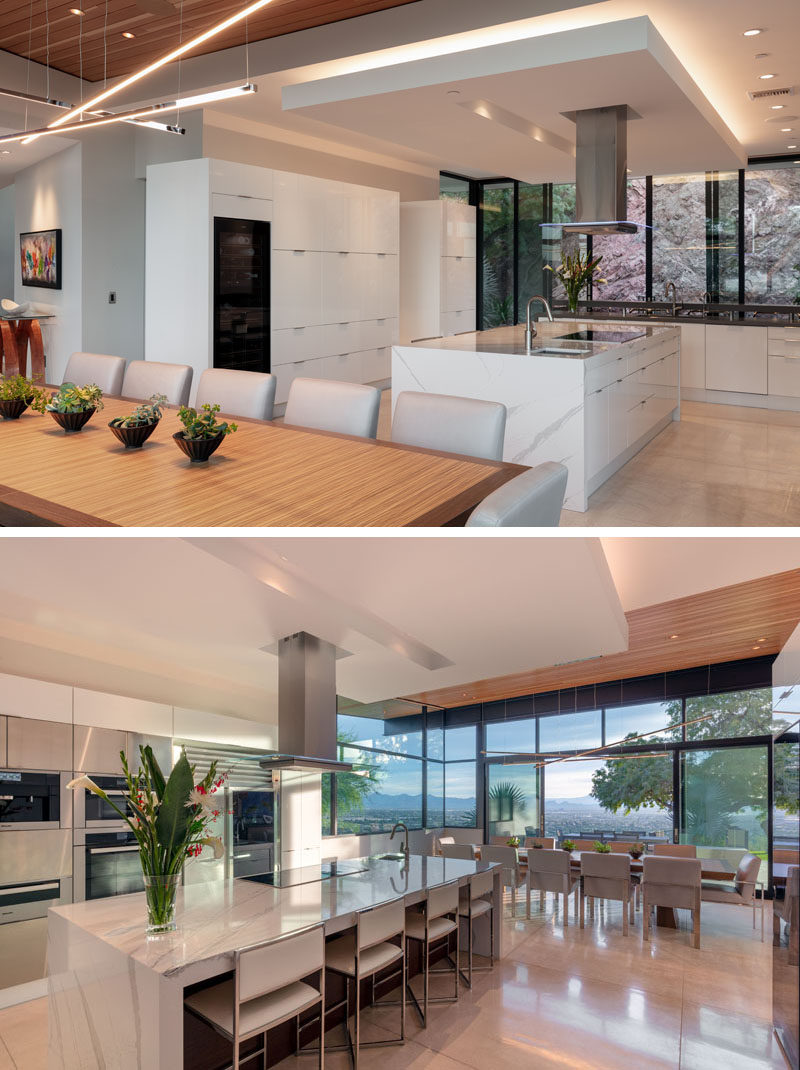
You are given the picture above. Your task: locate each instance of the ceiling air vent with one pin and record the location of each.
(768, 94)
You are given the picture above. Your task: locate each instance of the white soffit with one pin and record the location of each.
(417, 104)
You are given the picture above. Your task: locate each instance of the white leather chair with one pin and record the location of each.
(476, 901)
(450, 424)
(238, 393)
(533, 499)
(328, 405)
(104, 371)
(548, 843)
(607, 876)
(459, 850)
(144, 378)
(741, 891)
(675, 883)
(675, 850)
(512, 875)
(432, 928)
(268, 988)
(442, 840)
(551, 871)
(368, 951)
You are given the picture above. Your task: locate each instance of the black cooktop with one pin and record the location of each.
(290, 878)
(602, 336)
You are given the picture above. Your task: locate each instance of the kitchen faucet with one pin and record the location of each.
(530, 329)
(403, 847)
(667, 288)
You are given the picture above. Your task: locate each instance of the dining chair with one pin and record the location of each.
(476, 901)
(269, 986)
(741, 890)
(582, 845)
(144, 378)
(533, 499)
(551, 871)
(238, 393)
(620, 847)
(607, 876)
(675, 883)
(361, 954)
(675, 850)
(546, 842)
(791, 858)
(459, 850)
(431, 924)
(99, 369)
(501, 839)
(442, 840)
(512, 875)
(328, 405)
(450, 424)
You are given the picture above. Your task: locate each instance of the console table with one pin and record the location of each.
(17, 335)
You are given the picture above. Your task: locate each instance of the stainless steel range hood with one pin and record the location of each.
(601, 158)
(306, 708)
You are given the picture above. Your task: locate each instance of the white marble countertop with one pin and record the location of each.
(511, 340)
(216, 918)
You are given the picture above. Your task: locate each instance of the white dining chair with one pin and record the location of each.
(741, 891)
(450, 424)
(512, 876)
(101, 369)
(459, 850)
(328, 405)
(607, 876)
(533, 499)
(269, 986)
(144, 378)
(550, 870)
(673, 883)
(238, 393)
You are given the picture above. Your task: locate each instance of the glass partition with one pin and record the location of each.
(512, 800)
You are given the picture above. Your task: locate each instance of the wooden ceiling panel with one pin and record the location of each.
(745, 620)
(95, 39)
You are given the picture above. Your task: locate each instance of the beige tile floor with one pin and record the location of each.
(565, 1000)
(721, 465)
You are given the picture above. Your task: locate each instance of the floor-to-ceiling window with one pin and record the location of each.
(624, 263)
(771, 232)
(497, 267)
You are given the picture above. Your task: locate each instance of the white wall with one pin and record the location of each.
(48, 194)
(8, 245)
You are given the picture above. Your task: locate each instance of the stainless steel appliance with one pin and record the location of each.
(35, 872)
(105, 863)
(252, 830)
(93, 812)
(34, 800)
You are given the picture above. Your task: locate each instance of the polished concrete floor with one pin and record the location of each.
(721, 465)
(565, 1000)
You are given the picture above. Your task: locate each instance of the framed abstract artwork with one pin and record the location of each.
(40, 258)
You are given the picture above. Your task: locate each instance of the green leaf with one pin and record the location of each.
(173, 819)
(154, 769)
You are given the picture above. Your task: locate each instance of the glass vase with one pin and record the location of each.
(160, 890)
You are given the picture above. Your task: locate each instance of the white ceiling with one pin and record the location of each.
(186, 622)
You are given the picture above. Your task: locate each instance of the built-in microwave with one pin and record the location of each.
(105, 864)
(94, 812)
(33, 801)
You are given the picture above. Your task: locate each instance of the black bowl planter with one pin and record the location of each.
(72, 421)
(13, 408)
(133, 438)
(197, 449)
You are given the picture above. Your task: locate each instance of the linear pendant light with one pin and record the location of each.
(53, 103)
(136, 113)
(238, 16)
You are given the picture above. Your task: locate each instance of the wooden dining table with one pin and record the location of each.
(263, 475)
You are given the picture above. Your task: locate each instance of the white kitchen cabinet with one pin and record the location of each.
(736, 358)
(784, 376)
(298, 212)
(242, 179)
(297, 288)
(294, 344)
(437, 269)
(39, 744)
(343, 279)
(596, 414)
(693, 355)
(381, 222)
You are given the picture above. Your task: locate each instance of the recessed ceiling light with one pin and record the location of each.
(791, 146)
(454, 92)
(764, 77)
(674, 636)
(761, 55)
(777, 107)
(5, 152)
(786, 129)
(76, 11)
(128, 34)
(751, 33)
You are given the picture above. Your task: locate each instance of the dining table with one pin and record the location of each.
(265, 474)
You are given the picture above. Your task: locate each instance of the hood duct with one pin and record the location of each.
(601, 173)
(306, 708)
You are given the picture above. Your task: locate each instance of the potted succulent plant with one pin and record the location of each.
(16, 394)
(567, 845)
(637, 850)
(135, 429)
(575, 274)
(170, 816)
(202, 431)
(602, 848)
(71, 406)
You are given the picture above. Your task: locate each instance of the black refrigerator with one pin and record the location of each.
(241, 294)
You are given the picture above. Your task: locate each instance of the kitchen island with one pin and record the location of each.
(589, 395)
(116, 996)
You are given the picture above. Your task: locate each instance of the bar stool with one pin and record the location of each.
(431, 929)
(475, 904)
(363, 954)
(267, 990)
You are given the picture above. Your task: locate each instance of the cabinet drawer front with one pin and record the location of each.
(296, 289)
(597, 377)
(458, 283)
(784, 347)
(784, 376)
(293, 344)
(457, 322)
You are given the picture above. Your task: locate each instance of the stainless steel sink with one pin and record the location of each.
(398, 857)
(560, 350)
